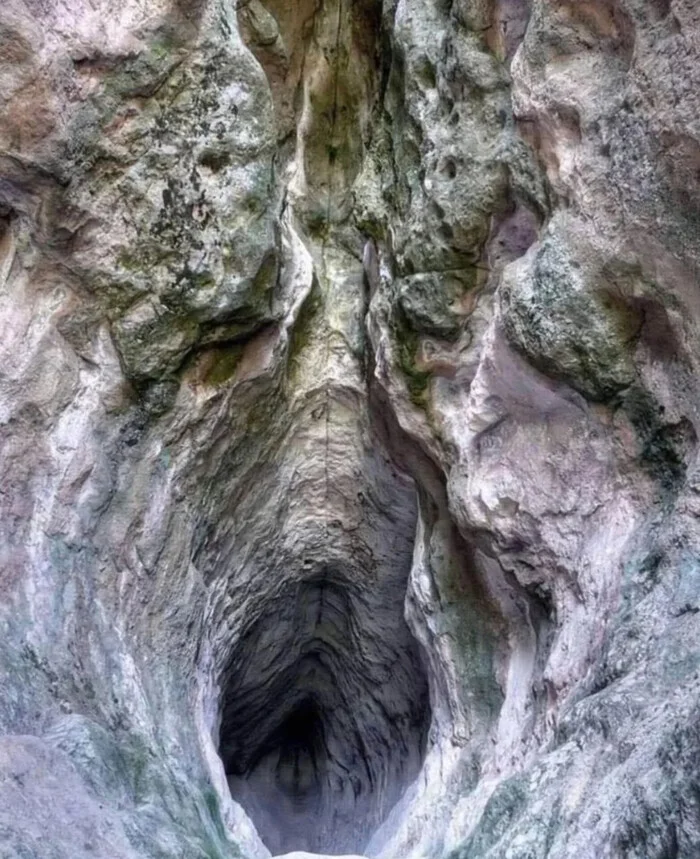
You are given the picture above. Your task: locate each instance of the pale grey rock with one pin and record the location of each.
(348, 416)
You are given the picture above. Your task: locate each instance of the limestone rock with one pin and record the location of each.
(348, 420)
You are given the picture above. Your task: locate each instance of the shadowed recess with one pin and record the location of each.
(324, 717)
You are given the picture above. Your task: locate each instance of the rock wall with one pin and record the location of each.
(349, 417)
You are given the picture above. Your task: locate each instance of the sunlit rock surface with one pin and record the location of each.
(349, 406)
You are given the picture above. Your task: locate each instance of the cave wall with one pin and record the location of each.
(349, 422)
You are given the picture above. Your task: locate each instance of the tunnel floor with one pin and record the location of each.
(325, 712)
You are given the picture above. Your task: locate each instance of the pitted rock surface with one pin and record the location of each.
(349, 429)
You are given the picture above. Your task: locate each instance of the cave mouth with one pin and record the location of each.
(324, 715)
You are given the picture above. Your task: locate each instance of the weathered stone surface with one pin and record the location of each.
(348, 416)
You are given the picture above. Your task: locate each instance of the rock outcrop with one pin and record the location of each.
(349, 428)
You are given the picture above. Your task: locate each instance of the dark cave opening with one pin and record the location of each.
(297, 748)
(324, 717)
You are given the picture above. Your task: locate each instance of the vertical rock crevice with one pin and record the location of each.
(328, 746)
(325, 714)
(339, 382)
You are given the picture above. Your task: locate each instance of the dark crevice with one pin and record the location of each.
(325, 713)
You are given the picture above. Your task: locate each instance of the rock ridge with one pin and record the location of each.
(348, 415)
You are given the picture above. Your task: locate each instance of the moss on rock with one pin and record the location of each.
(568, 321)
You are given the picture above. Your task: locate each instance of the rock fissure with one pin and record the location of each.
(348, 423)
(323, 724)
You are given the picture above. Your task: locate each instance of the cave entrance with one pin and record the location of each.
(325, 712)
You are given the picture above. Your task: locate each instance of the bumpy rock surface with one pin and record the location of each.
(349, 418)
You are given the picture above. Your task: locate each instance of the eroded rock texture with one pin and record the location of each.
(349, 411)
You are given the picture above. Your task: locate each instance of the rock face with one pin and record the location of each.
(349, 420)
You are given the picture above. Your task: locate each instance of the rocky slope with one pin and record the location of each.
(349, 418)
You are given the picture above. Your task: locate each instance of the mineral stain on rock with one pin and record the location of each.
(348, 421)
